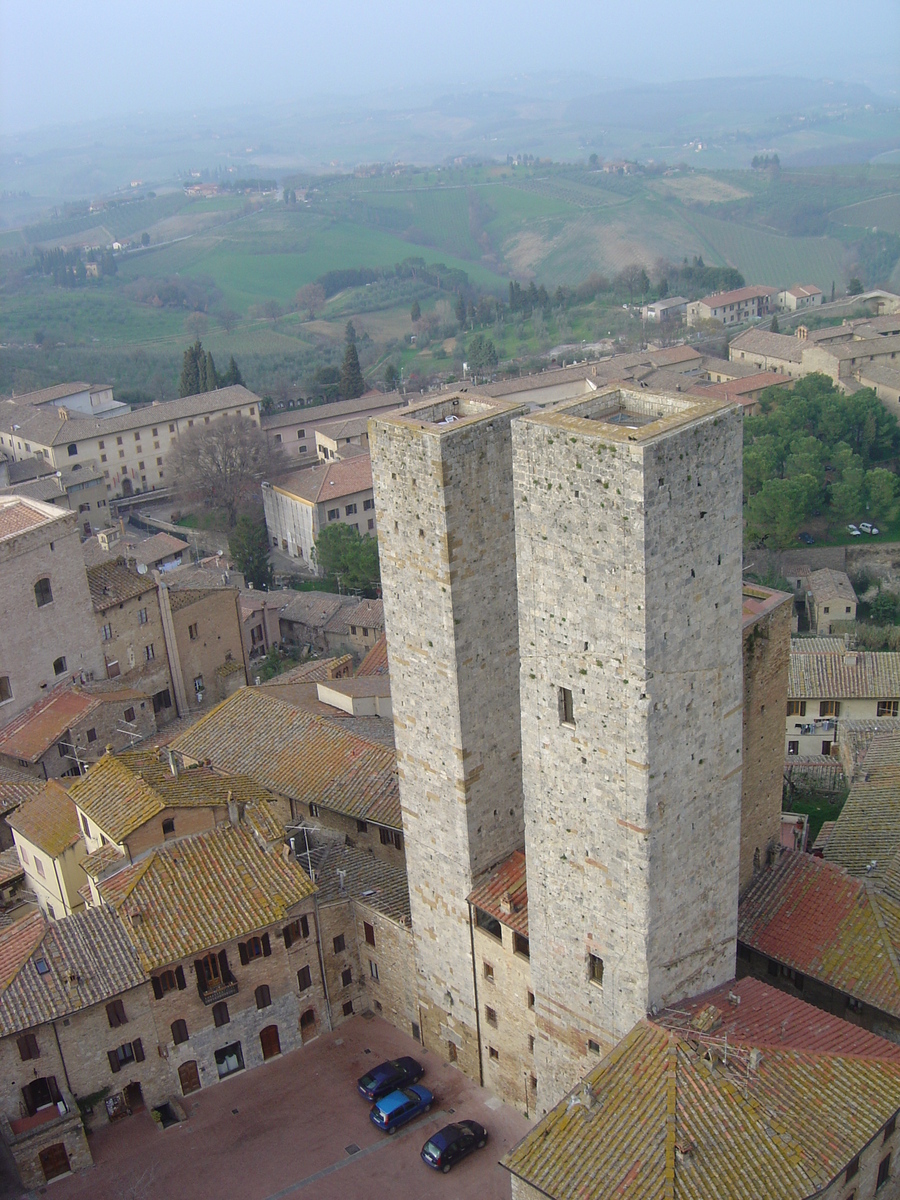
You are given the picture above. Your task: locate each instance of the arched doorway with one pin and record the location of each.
(308, 1025)
(127, 487)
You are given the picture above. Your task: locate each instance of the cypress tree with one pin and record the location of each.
(212, 379)
(190, 383)
(233, 374)
(352, 382)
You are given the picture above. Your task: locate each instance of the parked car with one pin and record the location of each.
(452, 1143)
(866, 527)
(388, 1076)
(854, 532)
(806, 538)
(396, 1108)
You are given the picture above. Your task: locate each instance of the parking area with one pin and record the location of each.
(297, 1127)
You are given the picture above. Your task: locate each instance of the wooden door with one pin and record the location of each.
(308, 1025)
(54, 1161)
(189, 1077)
(269, 1041)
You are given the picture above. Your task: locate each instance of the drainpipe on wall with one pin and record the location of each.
(477, 1013)
(165, 608)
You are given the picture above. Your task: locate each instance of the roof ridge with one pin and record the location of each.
(874, 900)
(671, 1116)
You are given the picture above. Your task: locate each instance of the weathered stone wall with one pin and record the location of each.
(393, 993)
(278, 970)
(767, 654)
(64, 628)
(125, 631)
(629, 573)
(503, 980)
(447, 548)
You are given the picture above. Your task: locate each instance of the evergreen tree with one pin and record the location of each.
(233, 375)
(352, 382)
(212, 378)
(773, 328)
(248, 543)
(461, 309)
(415, 312)
(391, 377)
(350, 332)
(189, 385)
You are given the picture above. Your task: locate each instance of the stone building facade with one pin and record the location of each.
(628, 529)
(202, 629)
(767, 654)
(44, 604)
(442, 475)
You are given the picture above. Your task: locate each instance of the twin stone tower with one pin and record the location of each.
(562, 594)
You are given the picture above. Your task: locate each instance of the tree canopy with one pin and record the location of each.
(221, 465)
(815, 451)
(199, 374)
(481, 353)
(248, 543)
(352, 382)
(348, 558)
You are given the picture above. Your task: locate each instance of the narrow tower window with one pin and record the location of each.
(566, 709)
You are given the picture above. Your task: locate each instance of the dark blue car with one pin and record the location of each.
(388, 1076)
(395, 1109)
(452, 1143)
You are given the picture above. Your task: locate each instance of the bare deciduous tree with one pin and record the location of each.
(222, 464)
(309, 299)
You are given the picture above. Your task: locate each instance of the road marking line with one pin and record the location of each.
(389, 1140)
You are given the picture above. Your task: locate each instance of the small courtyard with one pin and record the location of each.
(297, 1127)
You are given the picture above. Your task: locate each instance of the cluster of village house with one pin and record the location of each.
(548, 843)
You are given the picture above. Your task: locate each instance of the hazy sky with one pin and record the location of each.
(65, 60)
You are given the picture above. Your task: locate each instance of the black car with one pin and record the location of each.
(806, 538)
(388, 1077)
(452, 1143)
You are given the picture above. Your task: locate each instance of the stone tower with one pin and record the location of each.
(442, 472)
(628, 532)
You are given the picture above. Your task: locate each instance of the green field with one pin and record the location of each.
(220, 263)
(769, 258)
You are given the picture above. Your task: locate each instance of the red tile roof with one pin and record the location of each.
(812, 916)
(17, 943)
(318, 485)
(18, 516)
(504, 894)
(376, 661)
(48, 820)
(765, 1016)
(35, 730)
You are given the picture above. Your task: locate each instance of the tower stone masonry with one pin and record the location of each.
(628, 548)
(442, 473)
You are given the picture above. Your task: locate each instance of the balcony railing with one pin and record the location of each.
(214, 995)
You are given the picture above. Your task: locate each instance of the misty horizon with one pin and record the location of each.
(63, 65)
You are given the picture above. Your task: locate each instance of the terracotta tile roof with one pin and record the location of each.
(16, 944)
(297, 755)
(380, 884)
(737, 295)
(48, 820)
(44, 425)
(200, 892)
(14, 794)
(35, 730)
(772, 345)
(662, 1115)
(843, 676)
(184, 597)
(314, 609)
(365, 614)
(815, 918)
(868, 829)
(46, 395)
(826, 584)
(742, 390)
(815, 645)
(10, 867)
(318, 414)
(89, 959)
(154, 549)
(318, 485)
(18, 515)
(123, 791)
(504, 893)
(113, 583)
(865, 348)
(376, 661)
(314, 672)
(373, 729)
(765, 1016)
